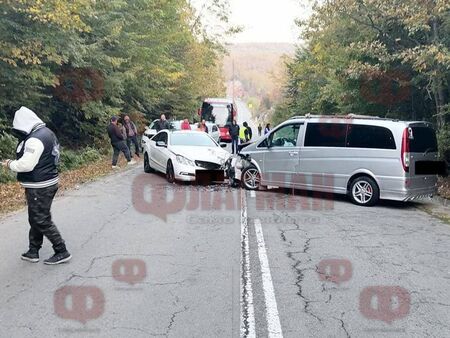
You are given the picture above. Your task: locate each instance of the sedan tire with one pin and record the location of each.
(147, 167)
(170, 173)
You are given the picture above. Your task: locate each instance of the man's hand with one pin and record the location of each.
(5, 163)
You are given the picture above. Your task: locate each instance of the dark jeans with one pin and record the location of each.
(134, 140)
(120, 147)
(234, 145)
(40, 219)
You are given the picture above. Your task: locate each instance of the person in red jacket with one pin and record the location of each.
(185, 125)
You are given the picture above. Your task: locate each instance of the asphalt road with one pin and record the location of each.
(153, 259)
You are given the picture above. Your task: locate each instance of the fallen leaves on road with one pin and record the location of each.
(444, 187)
(12, 195)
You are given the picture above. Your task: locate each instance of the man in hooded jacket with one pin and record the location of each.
(37, 157)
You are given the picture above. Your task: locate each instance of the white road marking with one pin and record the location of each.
(247, 310)
(273, 319)
(252, 194)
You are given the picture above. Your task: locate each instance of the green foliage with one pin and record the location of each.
(370, 57)
(8, 146)
(78, 65)
(71, 159)
(443, 137)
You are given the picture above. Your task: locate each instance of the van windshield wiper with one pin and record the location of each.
(429, 150)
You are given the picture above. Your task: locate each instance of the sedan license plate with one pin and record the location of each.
(206, 177)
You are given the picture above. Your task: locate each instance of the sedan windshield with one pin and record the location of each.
(199, 139)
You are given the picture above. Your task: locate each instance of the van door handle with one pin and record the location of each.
(293, 153)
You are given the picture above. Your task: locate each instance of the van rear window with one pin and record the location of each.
(371, 137)
(424, 140)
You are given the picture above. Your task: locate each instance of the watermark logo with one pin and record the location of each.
(163, 201)
(335, 270)
(386, 88)
(385, 303)
(79, 303)
(80, 85)
(130, 271)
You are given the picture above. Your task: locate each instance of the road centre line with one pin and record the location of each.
(273, 319)
(247, 329)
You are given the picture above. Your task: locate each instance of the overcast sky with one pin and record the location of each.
(268, 20)
(265, 20)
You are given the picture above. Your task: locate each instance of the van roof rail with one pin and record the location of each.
(348, 116)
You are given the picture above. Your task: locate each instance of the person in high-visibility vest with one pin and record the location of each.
(242, 134)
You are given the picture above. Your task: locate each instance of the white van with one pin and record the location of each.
(368, 158)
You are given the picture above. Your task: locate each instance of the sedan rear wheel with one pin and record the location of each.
(170, 173)
(251, 178)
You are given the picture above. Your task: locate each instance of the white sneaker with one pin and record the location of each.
(132, 162)
(115, 167)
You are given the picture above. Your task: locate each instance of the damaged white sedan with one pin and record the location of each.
(185, 155)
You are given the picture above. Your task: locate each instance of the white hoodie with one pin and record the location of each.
(26, 120)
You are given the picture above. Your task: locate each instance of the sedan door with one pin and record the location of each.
(160, 154)
(281, 159)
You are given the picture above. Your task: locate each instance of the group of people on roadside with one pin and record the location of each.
(123, 134)
(239, 134)
(243, 134)
(201, 126)
(266, 129)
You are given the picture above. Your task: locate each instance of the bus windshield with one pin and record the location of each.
(218, 113)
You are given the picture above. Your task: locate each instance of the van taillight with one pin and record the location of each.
(406, 156)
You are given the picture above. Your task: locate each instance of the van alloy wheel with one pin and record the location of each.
(251, 178)
(364, 191)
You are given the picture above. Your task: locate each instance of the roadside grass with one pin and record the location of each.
(438, 212)
(444, 187)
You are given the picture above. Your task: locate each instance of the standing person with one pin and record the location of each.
(234, 133)
(131, 133)
(118, 143)
(205, 127)
(243, 133)
(122, 130)
(267, 129)
(200, 127)
(259, 129)
(249, 133)
(162, 124)
(185, 125)
(36, 167)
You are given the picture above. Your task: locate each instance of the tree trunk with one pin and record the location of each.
(438, 88)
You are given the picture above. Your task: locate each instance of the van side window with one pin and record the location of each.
(325, 135)
(285, 136)
(371, 137)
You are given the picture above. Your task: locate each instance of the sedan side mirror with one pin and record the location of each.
(161, 144)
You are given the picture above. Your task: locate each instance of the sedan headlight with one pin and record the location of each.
(185, 161)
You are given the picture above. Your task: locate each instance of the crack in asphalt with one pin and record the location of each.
(104, 224)
(299, 280)
(172, 320)
(73, 275)
(138, 330)
(343, 324)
